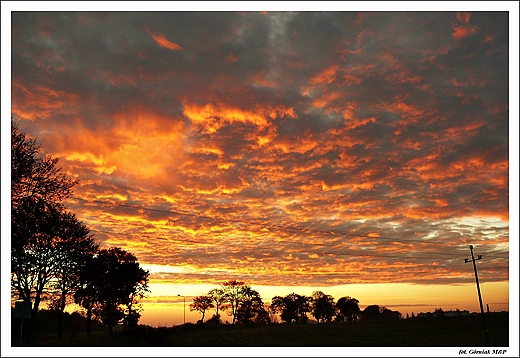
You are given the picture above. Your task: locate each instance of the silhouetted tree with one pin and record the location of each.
(371, 313)
(348, 308)
(388, 314)
(271, 315)
(234, 294)
(303, 304)
(322, 306)
(219, 298)
(73, 255)
(286, 307)
(116, 280)
(291, 307)
(87, 295)
(38, 188)
(133, 307)
(251, 308)
(201, 304)
(263, 314)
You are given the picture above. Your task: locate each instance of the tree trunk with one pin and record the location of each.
(60, 325)
(89, 322)
(26, 324)
(32, 321)
(218, 318)
(61, 308)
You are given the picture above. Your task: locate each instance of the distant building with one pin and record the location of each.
(438, 313)
(456, 313)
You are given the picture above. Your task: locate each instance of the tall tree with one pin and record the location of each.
(73, 254)
(234, 294)
(134, 307)
(87, 295)
(120, 279)
(371, 313)
(251, 309)
(348, 308)
(219, 298)
(112, 279)
(291, 307)
(38, 187)
(201, 304)
(303, 304)
(322, 306)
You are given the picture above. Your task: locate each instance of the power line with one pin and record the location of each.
(278, 226)
(354, 252)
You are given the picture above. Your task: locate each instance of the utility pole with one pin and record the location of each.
(473, 259)
(184, 308)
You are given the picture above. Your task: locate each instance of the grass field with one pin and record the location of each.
(434, 332)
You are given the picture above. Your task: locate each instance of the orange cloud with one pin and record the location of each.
(465, 30)
(460, 32)
(463, 17)
(213, 117)
(161, 40)
(40, 101)
(261, 80)
(325, 99)
(326, 76)
(231, 58)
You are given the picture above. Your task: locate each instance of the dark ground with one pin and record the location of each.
(465, 331)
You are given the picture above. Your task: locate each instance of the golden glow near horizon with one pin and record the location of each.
(359, 153)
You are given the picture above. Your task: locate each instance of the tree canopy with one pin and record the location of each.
(47, 240)
(53, 255)
(202, 304)
(323, 308)
(348, 308)
(292, 307)
(120, 280)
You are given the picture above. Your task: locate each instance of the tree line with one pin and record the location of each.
(244, 304)
(54, 259)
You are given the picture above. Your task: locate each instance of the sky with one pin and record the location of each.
(357, 153)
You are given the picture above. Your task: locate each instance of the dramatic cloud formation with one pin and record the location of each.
(280, 148)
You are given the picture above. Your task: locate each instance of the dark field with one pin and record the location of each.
(433, 332)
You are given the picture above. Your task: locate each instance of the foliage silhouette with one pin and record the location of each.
(388, 314)
(375, 313)
(371, 313)
(74, 255)
(234, 294)
(292, 307)
(44, 235)
(251, 308)
(219, 298)
(116, 281)
(347, 307)
(322, 306)
(201, 304)
(87, 293)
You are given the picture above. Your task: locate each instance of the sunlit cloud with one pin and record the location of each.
(283, 149)
(163, 42)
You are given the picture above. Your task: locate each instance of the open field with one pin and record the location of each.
(434, 332)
